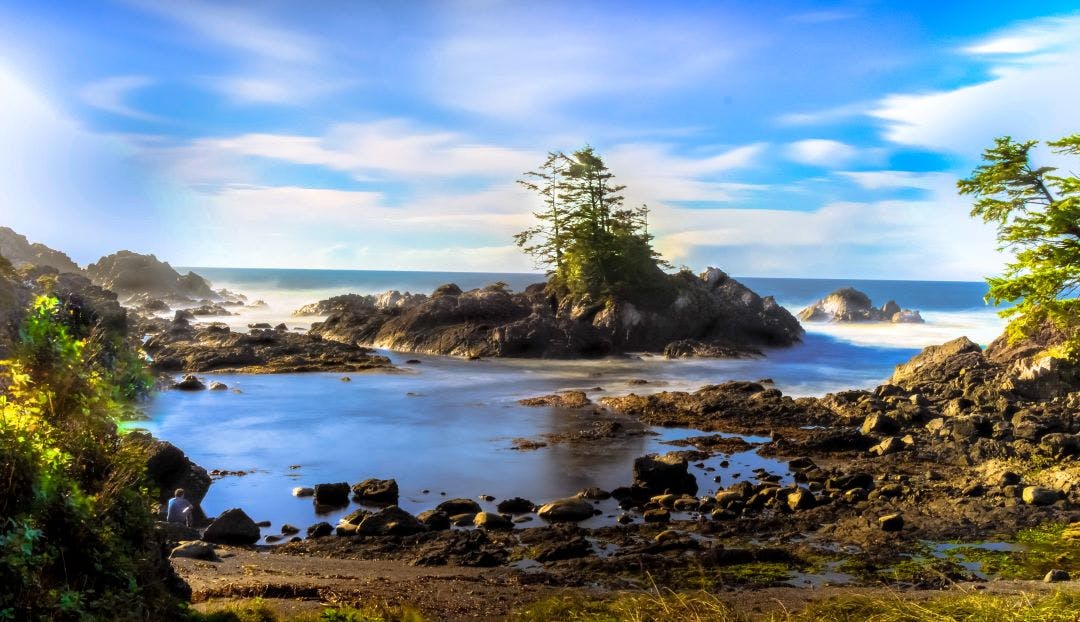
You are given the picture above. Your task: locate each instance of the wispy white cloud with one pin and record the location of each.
(111, 95)
(821, 152)
(827, 115)
(389, 147)
(886, 180)
(235, 26)
(1031, 94)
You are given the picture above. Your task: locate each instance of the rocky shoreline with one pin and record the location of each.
(902, 486)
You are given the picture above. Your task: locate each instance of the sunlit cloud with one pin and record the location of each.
(1013, 102)
(820, 152)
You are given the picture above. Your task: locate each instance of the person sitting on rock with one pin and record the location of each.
(179, 509)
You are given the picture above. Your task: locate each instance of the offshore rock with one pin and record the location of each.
(851, 305)
(718, 313)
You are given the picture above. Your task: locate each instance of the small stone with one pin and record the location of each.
(218, 386)
(891, 522)
(289, 530)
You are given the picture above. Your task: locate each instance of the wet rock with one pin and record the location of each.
(453, 507)
(656, 474)
(434, 520)
(332, 495)
(462, 520)
(189, 383)
(289, 530)
(195, 550)
(391, 521)
(320, 530)
(891, 522)
(1037, 495)
(491, 520)
(657, 515)
(801, 500)
(218, 386)
(516, 505)
(376, 491)
(303, 491)
(573, 509)
(233, 526)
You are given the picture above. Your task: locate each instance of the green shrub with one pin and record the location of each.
(76, 532)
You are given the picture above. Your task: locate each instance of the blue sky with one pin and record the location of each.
(770, 139)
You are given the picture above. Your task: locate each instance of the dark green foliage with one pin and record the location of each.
(76, 531)
(590, 244)
(1038, 218)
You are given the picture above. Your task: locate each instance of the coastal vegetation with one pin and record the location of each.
(1037, 214)
(587, 241)
(77, 534)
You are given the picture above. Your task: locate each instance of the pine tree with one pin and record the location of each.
(1038, 217)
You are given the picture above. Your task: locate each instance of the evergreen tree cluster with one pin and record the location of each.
(1037, 214)
(589, 243)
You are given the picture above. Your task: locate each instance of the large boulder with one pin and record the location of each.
(233, 526)
(656, 474)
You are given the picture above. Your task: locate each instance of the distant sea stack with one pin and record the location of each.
(699, 315)
(848, 304)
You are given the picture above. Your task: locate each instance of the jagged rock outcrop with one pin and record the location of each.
(850, 305)
(21, 253)
(388, 301)
(180, 347)
(132, 275)
(715, 311)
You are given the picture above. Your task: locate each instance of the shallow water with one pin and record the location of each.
(446, 425)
